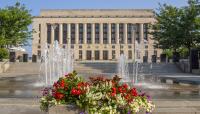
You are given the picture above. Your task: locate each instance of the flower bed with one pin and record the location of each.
(97, 96)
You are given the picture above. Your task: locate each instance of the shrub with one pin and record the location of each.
(4, 53)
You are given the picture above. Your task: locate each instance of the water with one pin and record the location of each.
(123, 70)
(55, 63)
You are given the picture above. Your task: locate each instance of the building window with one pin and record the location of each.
(113, 54)
(64, 34)
(89, 39)
(72, 33)
(105, 55)
(39, 27)
(80, 33)
(105, 33)
(129, 54)
(129, 47)
(129, 33)
(121, 33)
(145, 27)
(146, 53)
(80, 47)
(113, 47)
(56, 32)
(97, 55)
(89, 55)
(48, 33)
(97, 33)
(72, 46)
(113, 32)
(121, 52)
(137, 35)
(80, 55)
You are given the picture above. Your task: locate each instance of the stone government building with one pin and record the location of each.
(97, 34)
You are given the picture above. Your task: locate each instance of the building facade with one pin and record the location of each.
(97, 34)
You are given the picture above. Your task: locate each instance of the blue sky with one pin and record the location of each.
(36, 5)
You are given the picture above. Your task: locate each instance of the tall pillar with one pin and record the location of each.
(109, 33)
(61, 33)
(85, 33)
(52, 34)
(125, 33)
(101, 54)
(43, 34)
(93, 33)
(101, 33)
(76, 33)
(69, 33)
(117, 33)
(141, 33)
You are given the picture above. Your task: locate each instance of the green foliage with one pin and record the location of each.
(168, 52)
(4, 54)
(177, 27)
(14, 22)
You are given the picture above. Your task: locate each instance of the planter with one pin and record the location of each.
(69, 109)
(63, 109)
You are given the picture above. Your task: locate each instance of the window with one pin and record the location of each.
(56, 32)
(72, 33)
(113, 32)
(89, 55)
(121, 32)
(105, 55)
(80, 33)
(146, 53)
(97, 55)
(39, 27)
(129, 54)
(89, 40)
(48, 33)
(80, 54)
(113, 54)
(64, 34)
(105, 33)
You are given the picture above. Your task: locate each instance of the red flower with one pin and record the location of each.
(134, 92)
(114, 89)
(58, 95)
(125, 86)
(76, 91)
(120, 89)
(113, 94)
(62, 83)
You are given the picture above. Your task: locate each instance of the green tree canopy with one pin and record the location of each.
(177, 27)
(14, 22)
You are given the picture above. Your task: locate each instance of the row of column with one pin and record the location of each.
(125, 38)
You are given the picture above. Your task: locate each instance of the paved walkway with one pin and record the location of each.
(163, 106)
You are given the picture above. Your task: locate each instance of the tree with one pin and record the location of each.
(14, 22)
(177, 27)
(166, 29)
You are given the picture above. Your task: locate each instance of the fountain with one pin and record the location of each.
(55, 63)
(123, 70)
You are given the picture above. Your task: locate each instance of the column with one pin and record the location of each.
(52, 34)
(76, 33)
(125, 33)
(101, 33)
(109, 33)
(61, 33)
(93, 33)
(68, 33)
(43, 34)
(117, 33)
(85, 33)
(141, 33)
(101, 54)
